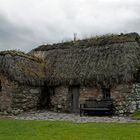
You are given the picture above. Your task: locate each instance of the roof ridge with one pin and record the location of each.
(93, 41)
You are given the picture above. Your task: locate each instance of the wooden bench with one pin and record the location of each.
(104, 106)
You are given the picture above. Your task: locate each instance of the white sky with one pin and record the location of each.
(25, 24)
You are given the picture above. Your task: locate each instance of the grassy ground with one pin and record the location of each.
(48, 130)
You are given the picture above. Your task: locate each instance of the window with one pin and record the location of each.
(106, 93)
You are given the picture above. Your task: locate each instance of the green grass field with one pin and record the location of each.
(49, 130)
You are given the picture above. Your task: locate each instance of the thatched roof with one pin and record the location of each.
(99, 61)
(22, 68)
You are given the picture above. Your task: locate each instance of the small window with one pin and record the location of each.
(106, 93)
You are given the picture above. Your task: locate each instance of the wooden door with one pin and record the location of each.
(74, 99)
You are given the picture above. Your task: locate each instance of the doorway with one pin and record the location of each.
(45, 99)
(74, 95)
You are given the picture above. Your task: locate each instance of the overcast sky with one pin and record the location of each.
(25, 24)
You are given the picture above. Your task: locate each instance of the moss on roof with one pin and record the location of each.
(105, 60)
(22, 68)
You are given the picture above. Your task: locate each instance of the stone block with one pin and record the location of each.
(34, 91)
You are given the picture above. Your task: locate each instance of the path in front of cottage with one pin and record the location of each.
(52, 116)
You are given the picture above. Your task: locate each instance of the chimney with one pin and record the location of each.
(75, 36)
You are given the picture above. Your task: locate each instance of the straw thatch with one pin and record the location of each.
(100, 61)
(22, 68)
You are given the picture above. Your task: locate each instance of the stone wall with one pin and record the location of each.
(126, 97)
(15, 98)
(6, 94)
(59, 100)
(86, 93)
(25, 98)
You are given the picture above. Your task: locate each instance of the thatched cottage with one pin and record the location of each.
(100, 67)
(69, 73)
(21, 81)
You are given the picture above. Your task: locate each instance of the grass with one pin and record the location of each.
(93, 41)
(136, 114)
(50, 130)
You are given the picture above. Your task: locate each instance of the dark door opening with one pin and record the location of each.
(45, 99)
(74, 92)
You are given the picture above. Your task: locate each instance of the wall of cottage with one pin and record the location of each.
(6, 95)
(15, 98)
(25, 98)
(89, 93)
(126, 97)
(60, 100)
